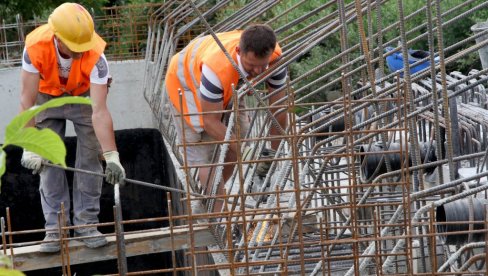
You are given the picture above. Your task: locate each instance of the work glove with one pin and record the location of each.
(31, 161)
(114, 170)
(246, 153)
(263, 167)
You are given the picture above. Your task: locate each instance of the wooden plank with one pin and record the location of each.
(29, 258)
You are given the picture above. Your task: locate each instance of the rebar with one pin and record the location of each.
(313, 213)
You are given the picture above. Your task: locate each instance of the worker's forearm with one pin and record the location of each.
(217, 130)
(28, 92)
(26, 103)
(103, 126)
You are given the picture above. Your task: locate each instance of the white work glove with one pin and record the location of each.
(31, 161)
(262, 167)
(246, 153)
(114, 170)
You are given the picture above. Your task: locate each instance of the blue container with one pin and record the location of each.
(395, 60)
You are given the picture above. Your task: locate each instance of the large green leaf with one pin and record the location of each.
(3, 160)
(44, 142)
(10, 272)
(6, 267)
(23, 118)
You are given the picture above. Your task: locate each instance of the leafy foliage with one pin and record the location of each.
(330, 48)
(10, 272)
(44, 142)
(6, 267)
(29, 9)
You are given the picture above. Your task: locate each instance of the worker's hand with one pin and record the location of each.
(114, 170)
(263, 167)
(31, 161)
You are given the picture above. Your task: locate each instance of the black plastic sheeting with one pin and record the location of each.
(144, 158)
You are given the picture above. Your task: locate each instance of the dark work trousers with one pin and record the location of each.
(54, 186)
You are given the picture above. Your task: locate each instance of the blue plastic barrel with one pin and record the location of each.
(395, 60)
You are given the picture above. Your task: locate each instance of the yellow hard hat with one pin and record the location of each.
(73, 25)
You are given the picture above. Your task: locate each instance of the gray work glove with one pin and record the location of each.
(31, 161)
(246, 153)
(114, 170)
(263, 167)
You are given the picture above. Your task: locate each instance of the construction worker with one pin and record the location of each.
(65, 58)
(204, 75)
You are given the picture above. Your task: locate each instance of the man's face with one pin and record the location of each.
(67, 52)
(252, 64)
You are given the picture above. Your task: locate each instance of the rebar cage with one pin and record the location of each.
(382, 168)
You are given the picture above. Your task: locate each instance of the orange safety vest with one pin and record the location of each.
(42, 53)
(185, 71)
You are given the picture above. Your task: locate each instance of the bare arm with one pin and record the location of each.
(102, 120)
(28, 92)
(213, 125)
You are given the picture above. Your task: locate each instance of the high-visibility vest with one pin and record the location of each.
(185, 70)
(42, 53)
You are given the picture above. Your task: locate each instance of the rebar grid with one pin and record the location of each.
(366, 162)
(366, 216)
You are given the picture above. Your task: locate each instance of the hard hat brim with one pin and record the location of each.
(79, 48)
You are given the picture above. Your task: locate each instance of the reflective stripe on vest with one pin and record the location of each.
(192, 60)
(189, 99)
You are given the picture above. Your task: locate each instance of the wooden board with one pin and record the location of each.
(29, 258)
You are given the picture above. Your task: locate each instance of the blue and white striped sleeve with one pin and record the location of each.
(278, 79)
(210, 86)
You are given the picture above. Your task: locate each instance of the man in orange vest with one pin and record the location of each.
(65, 58)
(205, 77)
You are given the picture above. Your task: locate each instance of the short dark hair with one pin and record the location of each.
(259, 39)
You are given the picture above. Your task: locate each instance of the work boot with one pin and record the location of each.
(50, 243)
(92, 238)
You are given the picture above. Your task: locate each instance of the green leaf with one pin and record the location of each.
(3, 160)
(44, 142)
(5, 261)
(10, 272)
(23, 118)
